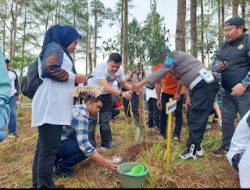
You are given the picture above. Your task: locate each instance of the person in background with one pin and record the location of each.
(233, 62)
(153, 111)
(238, 154)
(132, 77)
(116, 101)
(74, 145)
(5, 88)
(104, 74)
(53, 101)
(14, 97)
(169, 87)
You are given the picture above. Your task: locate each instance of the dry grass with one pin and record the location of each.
(207, 172)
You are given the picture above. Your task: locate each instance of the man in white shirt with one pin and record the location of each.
(239, 151)
(14, 96)
(104, 74)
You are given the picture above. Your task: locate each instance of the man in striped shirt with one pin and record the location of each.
(75, 145)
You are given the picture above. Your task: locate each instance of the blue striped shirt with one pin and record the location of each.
(79, 129)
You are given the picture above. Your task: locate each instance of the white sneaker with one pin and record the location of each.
(200, 152)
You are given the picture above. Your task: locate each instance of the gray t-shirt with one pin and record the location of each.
(185, 64)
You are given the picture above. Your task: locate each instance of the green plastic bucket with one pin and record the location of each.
(130, 180)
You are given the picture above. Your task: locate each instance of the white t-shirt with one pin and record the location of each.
(101, 72)
(240, 143)
(150, 94)
(241, 138)
(12, 77)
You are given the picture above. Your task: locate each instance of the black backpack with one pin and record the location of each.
(31, 81)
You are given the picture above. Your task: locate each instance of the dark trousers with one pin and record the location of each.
(115, 112)
(178, 115)
(104, 118)
(135, 107)
(69, 154)
(47, 145)
(231, 105)
(153, 113)
(202, 99)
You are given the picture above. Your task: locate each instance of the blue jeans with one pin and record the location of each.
(135, 107)
(68, 154)
(178, 114)
(4, 120)
(2, 136)
(104, 118)
(12, 121)
(153, 113)
(231, 105)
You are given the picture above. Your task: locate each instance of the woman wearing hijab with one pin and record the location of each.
(53, 101)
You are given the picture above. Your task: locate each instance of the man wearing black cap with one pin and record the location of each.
(14, 96)
(233, 62)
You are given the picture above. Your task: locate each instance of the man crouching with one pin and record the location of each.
(74, 145)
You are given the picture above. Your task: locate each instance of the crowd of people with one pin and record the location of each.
(67, 129)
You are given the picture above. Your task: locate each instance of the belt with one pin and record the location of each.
(195, 81)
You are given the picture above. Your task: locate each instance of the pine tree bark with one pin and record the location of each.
(180, 33)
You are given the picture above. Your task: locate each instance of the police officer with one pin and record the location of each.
(232, 61)
(203, 88)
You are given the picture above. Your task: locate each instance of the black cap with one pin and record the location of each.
(236, 21)
(7, 61)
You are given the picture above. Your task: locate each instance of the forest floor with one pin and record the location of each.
(16, 157)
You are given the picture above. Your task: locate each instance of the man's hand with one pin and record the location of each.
(177, 97)
(238, 89)
(220, 65)
(80, 78)
(110, 164)
(188, 102)
(136, 86)
(159, 104)
(127, 94)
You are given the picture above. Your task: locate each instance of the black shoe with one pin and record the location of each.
(63, 173)
(221, 150)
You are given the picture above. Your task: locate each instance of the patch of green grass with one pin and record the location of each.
(11, 158)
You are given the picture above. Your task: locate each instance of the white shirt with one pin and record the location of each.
(150, 94)
(240, 143)
(101, 72)
(241, 138)
(53, 100)
(12, 77)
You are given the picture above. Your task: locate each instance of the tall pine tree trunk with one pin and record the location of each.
(23, 42)
(95, 35)
(202, 32)
(125, 35)
(243, 9)
(122, 24)
(193, 28)
(180, 33)
(235, 4)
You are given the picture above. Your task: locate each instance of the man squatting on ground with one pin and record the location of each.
(74, 145)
